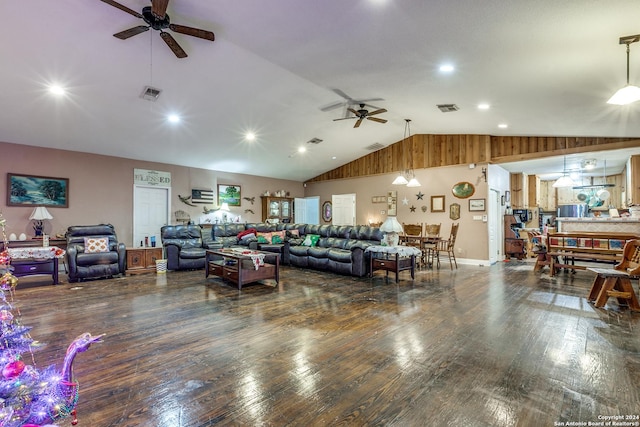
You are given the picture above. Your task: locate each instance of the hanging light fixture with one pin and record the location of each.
(407, 178)
(629, 93)
(565, 180)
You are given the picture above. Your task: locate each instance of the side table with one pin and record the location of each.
(32, 261)
(393, 258)
(142, 260)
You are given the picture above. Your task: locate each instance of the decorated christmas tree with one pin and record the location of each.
(30, 397)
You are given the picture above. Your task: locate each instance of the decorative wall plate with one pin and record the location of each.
(327, 211)
(464, 189)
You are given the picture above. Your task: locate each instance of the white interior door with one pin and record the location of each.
(343, 209)
(494, 229)
(151, 210)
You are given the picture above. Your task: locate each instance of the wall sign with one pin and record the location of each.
(154, 178)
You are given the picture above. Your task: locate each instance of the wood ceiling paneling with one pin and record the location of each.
(430, 151)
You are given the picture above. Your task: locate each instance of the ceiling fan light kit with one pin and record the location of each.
(629, 93)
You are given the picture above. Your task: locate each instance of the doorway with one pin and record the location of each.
(343, 209)
(151, 211)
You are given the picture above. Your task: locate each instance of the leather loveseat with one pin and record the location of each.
(93, 251)
(184, 246)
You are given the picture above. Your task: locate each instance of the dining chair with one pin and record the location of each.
(447, 247)
(412, 236)
(432, 235)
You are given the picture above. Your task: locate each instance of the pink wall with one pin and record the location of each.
(101, 188)
(472, 234)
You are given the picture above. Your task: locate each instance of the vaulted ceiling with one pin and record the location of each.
(545, 67)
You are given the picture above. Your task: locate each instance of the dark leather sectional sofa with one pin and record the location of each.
(339, 249)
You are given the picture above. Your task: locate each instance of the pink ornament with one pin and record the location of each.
(13, 369)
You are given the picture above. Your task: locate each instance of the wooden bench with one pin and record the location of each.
(564, 249)
(616, 282)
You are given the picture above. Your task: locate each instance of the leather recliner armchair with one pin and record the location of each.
(93, 251)
(183, 246)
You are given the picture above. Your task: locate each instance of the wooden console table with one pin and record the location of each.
(242, 267)
(393, 258)
(142, 260)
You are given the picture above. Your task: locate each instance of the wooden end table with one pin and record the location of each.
(242, 266)
(32, 261)
(393, 258)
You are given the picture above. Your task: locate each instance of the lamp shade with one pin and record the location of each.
(400, 180)
(224, 206)
(391, 225)
(564, 181)
(413, 182)
(40, 213)
(626, 95)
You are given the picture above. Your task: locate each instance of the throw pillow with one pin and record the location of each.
(262, 239)
(279, 234)
(96, 244)
(265, 235)
(276, 239)
(311, 240)
(246, 237)
(245, 232)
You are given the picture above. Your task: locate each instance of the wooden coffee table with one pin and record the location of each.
(242, 267)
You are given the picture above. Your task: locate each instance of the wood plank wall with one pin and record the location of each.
(429, 151)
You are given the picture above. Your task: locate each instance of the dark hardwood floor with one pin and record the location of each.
(479, 346)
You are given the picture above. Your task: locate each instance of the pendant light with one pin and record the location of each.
(565, 180)
(629, 93)
(401, 179)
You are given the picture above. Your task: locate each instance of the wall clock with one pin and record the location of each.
(464, 189)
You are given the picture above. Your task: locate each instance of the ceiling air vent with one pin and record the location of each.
(375, 146)
(314, 141)
(150, 93)
(448, 108)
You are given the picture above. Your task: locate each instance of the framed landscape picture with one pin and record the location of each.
(230, 194)
(476, 205)
(31, 190)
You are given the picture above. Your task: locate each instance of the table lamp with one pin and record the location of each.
(38, 215)
(391, 229)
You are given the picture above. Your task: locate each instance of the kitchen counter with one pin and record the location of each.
(604, 225)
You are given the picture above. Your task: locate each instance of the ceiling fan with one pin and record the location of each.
(362, 114)
(156, 17)
(348, 101)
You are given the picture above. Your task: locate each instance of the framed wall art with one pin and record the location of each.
(327, 211)
(230, 194)
(462, 190)
(454, 211)
(476, 205)
(437, 203)
(31, 190)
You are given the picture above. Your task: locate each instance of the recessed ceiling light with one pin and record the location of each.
(503, 125)
(56, 90)
(447, 68)
(250, 136)
(302, 150)
(483, 106)
(173, 118)
(333, 158)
